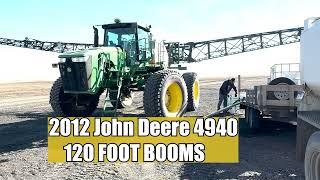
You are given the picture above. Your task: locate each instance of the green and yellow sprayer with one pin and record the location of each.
(129, 60)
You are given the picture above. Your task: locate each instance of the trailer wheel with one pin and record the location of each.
(65, 104)
(280, 95)
(124, 101)
(312, 158)
(165, 94)
(193, 89)
(253, 117)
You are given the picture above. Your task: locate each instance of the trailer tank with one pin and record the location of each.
(308, 127)
(310, 48)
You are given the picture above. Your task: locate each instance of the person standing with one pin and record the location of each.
(225, 90)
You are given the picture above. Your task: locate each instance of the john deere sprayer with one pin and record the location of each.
(128, 60)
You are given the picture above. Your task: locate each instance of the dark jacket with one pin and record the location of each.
(226, 87)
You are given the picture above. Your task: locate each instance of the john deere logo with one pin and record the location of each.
(69, 69)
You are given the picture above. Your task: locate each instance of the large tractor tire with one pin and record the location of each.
(280, 95)
(193, 88)
(165, 94)
(65, 104)
(124, 101)
(312, 158)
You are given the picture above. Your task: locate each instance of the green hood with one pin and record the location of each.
(80, 53)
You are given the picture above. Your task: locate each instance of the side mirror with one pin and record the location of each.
(152, 44)
(95, 37)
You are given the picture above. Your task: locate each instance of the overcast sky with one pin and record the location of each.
(171, 20)
(184, 20)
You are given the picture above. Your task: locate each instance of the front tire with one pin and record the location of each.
(193, 88)
(165, 94)
(65, 104)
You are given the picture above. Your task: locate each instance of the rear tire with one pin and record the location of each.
(165, 94)
(65, 104)
(312, 158)
(192, 83)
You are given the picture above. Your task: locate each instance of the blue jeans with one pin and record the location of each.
(222, 97)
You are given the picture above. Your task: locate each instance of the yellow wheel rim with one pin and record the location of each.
(174, 99)
(196, 90)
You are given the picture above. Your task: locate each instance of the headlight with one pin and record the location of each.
(80, 59)
(62, 60)
(75, 59)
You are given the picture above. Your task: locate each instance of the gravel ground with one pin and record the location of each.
(267, 154)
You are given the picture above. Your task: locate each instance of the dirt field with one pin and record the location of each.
(267, 154)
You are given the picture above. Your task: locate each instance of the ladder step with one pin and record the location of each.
(111, 112)
(111, 100)
(113, 90)
(109, 109)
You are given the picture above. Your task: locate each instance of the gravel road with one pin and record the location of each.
(267, 154)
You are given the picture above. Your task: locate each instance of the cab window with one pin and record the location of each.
(124, 38)
(144, 45)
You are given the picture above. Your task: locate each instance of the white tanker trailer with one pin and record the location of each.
(308, 129)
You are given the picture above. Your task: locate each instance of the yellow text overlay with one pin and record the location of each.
(139, 139)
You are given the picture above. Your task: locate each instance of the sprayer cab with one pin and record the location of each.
(133, 39)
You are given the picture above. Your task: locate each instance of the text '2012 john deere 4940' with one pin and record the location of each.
(129, 60)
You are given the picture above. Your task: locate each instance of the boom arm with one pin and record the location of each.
(185, 52)
(59, 47)
(198, 51)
